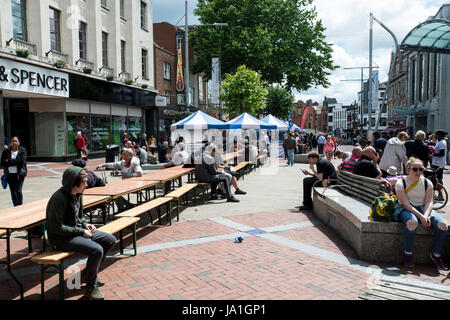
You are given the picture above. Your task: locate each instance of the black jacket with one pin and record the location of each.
(206, 171)
(20, 161)
(417, 148)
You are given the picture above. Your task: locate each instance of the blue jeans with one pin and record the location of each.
(15, 183)
(402, 215)
(291, 156)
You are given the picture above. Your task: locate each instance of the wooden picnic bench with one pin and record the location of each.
(147, 207)
(55, 259)
(179, 193)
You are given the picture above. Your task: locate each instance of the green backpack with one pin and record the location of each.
(383, 207)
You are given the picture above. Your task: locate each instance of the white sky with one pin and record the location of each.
(347, 23)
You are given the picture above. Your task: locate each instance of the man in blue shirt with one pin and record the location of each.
(320, 143)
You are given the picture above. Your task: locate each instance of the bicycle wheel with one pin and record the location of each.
(440, 197)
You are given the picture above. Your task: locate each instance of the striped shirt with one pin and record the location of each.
(349, 164)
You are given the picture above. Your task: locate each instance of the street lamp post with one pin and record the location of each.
(186, 50)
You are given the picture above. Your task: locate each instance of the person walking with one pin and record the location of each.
(14, 161)
(417, 148)
(321, 143)
(439, 159)
(290, 147)
(152, 143)
(415, 195)
(80, 145)
(394, 153)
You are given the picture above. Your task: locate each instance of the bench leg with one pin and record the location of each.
(159, 214)
(61, 280)
(134, 239)
(195, 196)
(42, 282)
(154, 192)
(44, 243)
(121, 241)
(178, 209)
(30, 245)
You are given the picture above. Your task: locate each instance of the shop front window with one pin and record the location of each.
(47, 128)
(75, 123)
(134, 126)
(118, 129)
(101, 132)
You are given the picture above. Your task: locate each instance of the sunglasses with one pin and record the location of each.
(417, 169)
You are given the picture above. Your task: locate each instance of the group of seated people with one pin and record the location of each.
(414, 192)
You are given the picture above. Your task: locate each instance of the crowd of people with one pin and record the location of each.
(400, 162)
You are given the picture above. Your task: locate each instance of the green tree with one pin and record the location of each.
(243, 92)
(278, 102)
(282, 40)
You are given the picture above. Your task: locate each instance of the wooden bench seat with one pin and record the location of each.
(56, 258)
(345, 209)
(2, 233)
(179, 193)
(147, 207)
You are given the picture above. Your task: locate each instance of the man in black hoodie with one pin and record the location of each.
(417, 148)
(69, 231)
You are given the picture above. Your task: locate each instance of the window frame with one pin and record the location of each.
(144, 64)
(165, 72)
(123, 64)
(144, 15)
(105, 37)
(82, 42)
(22, 18)
(57, 32)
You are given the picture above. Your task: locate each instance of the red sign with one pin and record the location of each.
(180, 81)
(304, 118)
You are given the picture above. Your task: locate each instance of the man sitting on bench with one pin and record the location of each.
(225, 169)
(207, 172)
(69, 232)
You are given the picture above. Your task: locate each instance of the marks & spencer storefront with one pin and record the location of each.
(45, 108)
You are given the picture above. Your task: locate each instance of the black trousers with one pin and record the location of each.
(227, 182)
(15, 183)
(307, 190)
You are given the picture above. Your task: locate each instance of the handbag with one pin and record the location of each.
(84, 153)
(4, 181)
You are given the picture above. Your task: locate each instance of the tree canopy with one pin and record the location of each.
(278, 102)
(282, 40)
(243, 92)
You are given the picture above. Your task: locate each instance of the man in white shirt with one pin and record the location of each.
(440, 154)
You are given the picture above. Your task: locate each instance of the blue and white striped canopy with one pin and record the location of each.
(270, 119)
(199, 120)
(295, 128)
(246, 121)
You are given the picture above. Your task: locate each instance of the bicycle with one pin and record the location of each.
(440, 195)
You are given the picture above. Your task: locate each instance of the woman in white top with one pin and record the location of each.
(415, 195)
(14, 160)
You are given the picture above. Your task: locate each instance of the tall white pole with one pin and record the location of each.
(186, 50)
(369, 121)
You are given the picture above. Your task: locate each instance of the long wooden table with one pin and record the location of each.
(27, 216)
(166, 175)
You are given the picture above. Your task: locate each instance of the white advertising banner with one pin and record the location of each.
(23, 77)
(215, 81)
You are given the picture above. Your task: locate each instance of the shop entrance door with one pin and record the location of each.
(19, 121)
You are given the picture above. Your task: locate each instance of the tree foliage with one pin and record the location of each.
(243, 92)
(282, 40)
(278, 102)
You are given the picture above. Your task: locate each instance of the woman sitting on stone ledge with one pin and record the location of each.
(415, 194)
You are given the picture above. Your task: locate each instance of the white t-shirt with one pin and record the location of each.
(180, 158)
(440, 161)
(13, 169)
(416, 195)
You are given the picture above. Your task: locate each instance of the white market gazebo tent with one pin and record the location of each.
(281, 126)
(199, 121)
(246, 121)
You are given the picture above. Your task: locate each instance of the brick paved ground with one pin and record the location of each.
(286, 255)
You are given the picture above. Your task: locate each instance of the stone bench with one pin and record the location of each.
(348, 215)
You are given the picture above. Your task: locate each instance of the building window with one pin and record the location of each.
(166, 71)
(105, 49)
(201, 92)
(421, 78)
(435, 74)
(413, 80)
(55, 31)
(82, 40)
(19, 19)
(144, 63)
(122, 9)
(103, 3)
(122, 55)
(167, 95)
(143, 15)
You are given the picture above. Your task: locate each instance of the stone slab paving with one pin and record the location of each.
(285, 254)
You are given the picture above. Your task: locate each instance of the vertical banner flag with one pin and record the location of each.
(215, 81)
(180, 80)
(290, 120)
(304, 118)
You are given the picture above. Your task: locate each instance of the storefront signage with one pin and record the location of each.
(161, 101)
(23, 77)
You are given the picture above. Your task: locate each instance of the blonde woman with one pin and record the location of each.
(415, 194)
